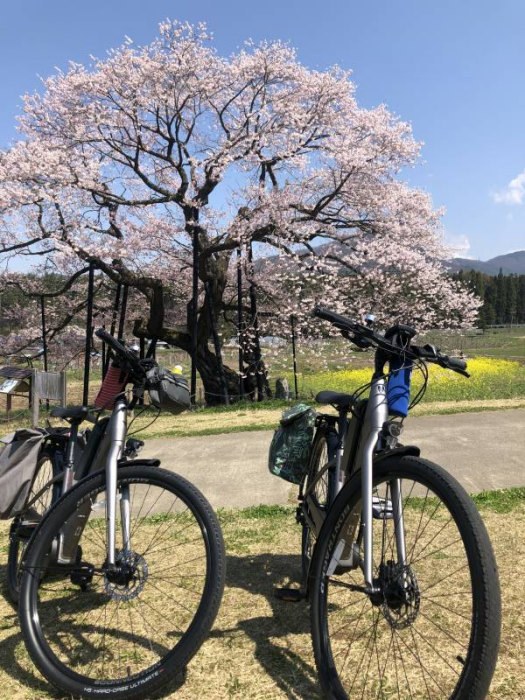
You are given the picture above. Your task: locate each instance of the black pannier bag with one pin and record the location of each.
(168, 391)
(291, 446)
(18, 463)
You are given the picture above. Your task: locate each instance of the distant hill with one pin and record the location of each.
(511, 263)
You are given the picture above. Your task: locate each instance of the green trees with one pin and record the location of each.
(503, 296)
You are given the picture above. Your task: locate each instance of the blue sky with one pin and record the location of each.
(455, 70)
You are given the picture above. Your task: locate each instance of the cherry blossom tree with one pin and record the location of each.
(153, 153)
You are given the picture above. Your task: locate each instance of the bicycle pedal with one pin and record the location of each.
(290, 595)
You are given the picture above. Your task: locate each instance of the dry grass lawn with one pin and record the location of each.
(260, 647)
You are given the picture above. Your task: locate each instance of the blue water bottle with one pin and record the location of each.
(398, 387)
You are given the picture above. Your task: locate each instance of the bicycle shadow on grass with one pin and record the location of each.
(12, 649)
(281, 635)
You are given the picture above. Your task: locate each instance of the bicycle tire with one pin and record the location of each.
(17, 544)
(165, 670)
(320, 495)
(475, 674)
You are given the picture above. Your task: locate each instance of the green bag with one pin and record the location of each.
(291, 445)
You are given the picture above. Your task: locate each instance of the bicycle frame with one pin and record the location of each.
(109, 447)
(375, 415)
(356, 453)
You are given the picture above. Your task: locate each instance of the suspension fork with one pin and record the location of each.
(399, 525)
(117, 430)
(125, 518)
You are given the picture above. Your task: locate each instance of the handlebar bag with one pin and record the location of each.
(291, 446)
(168, 391)
(18, 463)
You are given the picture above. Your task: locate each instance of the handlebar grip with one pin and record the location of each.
(456, 363)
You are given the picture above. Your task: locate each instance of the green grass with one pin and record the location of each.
(257, 512)
(498, 501)
(501, 501)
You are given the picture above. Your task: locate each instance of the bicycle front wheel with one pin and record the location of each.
(128, 630)
(431, 629)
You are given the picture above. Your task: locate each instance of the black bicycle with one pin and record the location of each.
(123, 576)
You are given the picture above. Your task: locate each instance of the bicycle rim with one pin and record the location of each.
(414, 638)
(99, 629)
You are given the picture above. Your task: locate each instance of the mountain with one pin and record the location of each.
(511, 263)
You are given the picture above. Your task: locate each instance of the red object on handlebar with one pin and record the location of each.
(114, 384)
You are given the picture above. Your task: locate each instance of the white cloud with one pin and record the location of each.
(458, 244)
(514, 193)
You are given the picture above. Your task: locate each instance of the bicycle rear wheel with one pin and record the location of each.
(23, 525)
(432, 628)
(129, 631)
(322, 492)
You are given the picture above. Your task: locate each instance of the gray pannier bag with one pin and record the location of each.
(18, 463)
(291, 446)
(168, 391)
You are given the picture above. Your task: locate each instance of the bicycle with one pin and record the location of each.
(403, 583)
(123, 577)
(64, 458)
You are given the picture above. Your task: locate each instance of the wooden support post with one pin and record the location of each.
(44, 332)
(44, 335)
(194, 321)
(239, 324)
(114, 317)
(34, 401)
(292, 323)
(255, 325)
(89, 331)
(123, 309)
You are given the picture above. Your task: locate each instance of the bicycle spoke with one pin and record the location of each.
(398, 643)
(121, 624)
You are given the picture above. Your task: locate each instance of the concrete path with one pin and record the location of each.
(482, 450)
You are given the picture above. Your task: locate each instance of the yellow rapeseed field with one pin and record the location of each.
(490, 378)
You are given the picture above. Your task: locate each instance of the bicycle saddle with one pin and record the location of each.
(75, 413)
(336, 398)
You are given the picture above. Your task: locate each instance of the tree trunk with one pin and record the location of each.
(213, 272)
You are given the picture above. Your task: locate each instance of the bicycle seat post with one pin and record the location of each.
(342, 426)
(70, 455)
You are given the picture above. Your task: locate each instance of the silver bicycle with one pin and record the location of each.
(123, 577)
(403, 584)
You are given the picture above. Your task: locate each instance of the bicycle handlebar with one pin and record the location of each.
(123, 352)
(426, 352)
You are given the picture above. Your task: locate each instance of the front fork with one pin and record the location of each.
(117, 429)
(345, 554)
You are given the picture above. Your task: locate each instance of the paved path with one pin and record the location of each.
(483, 450)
